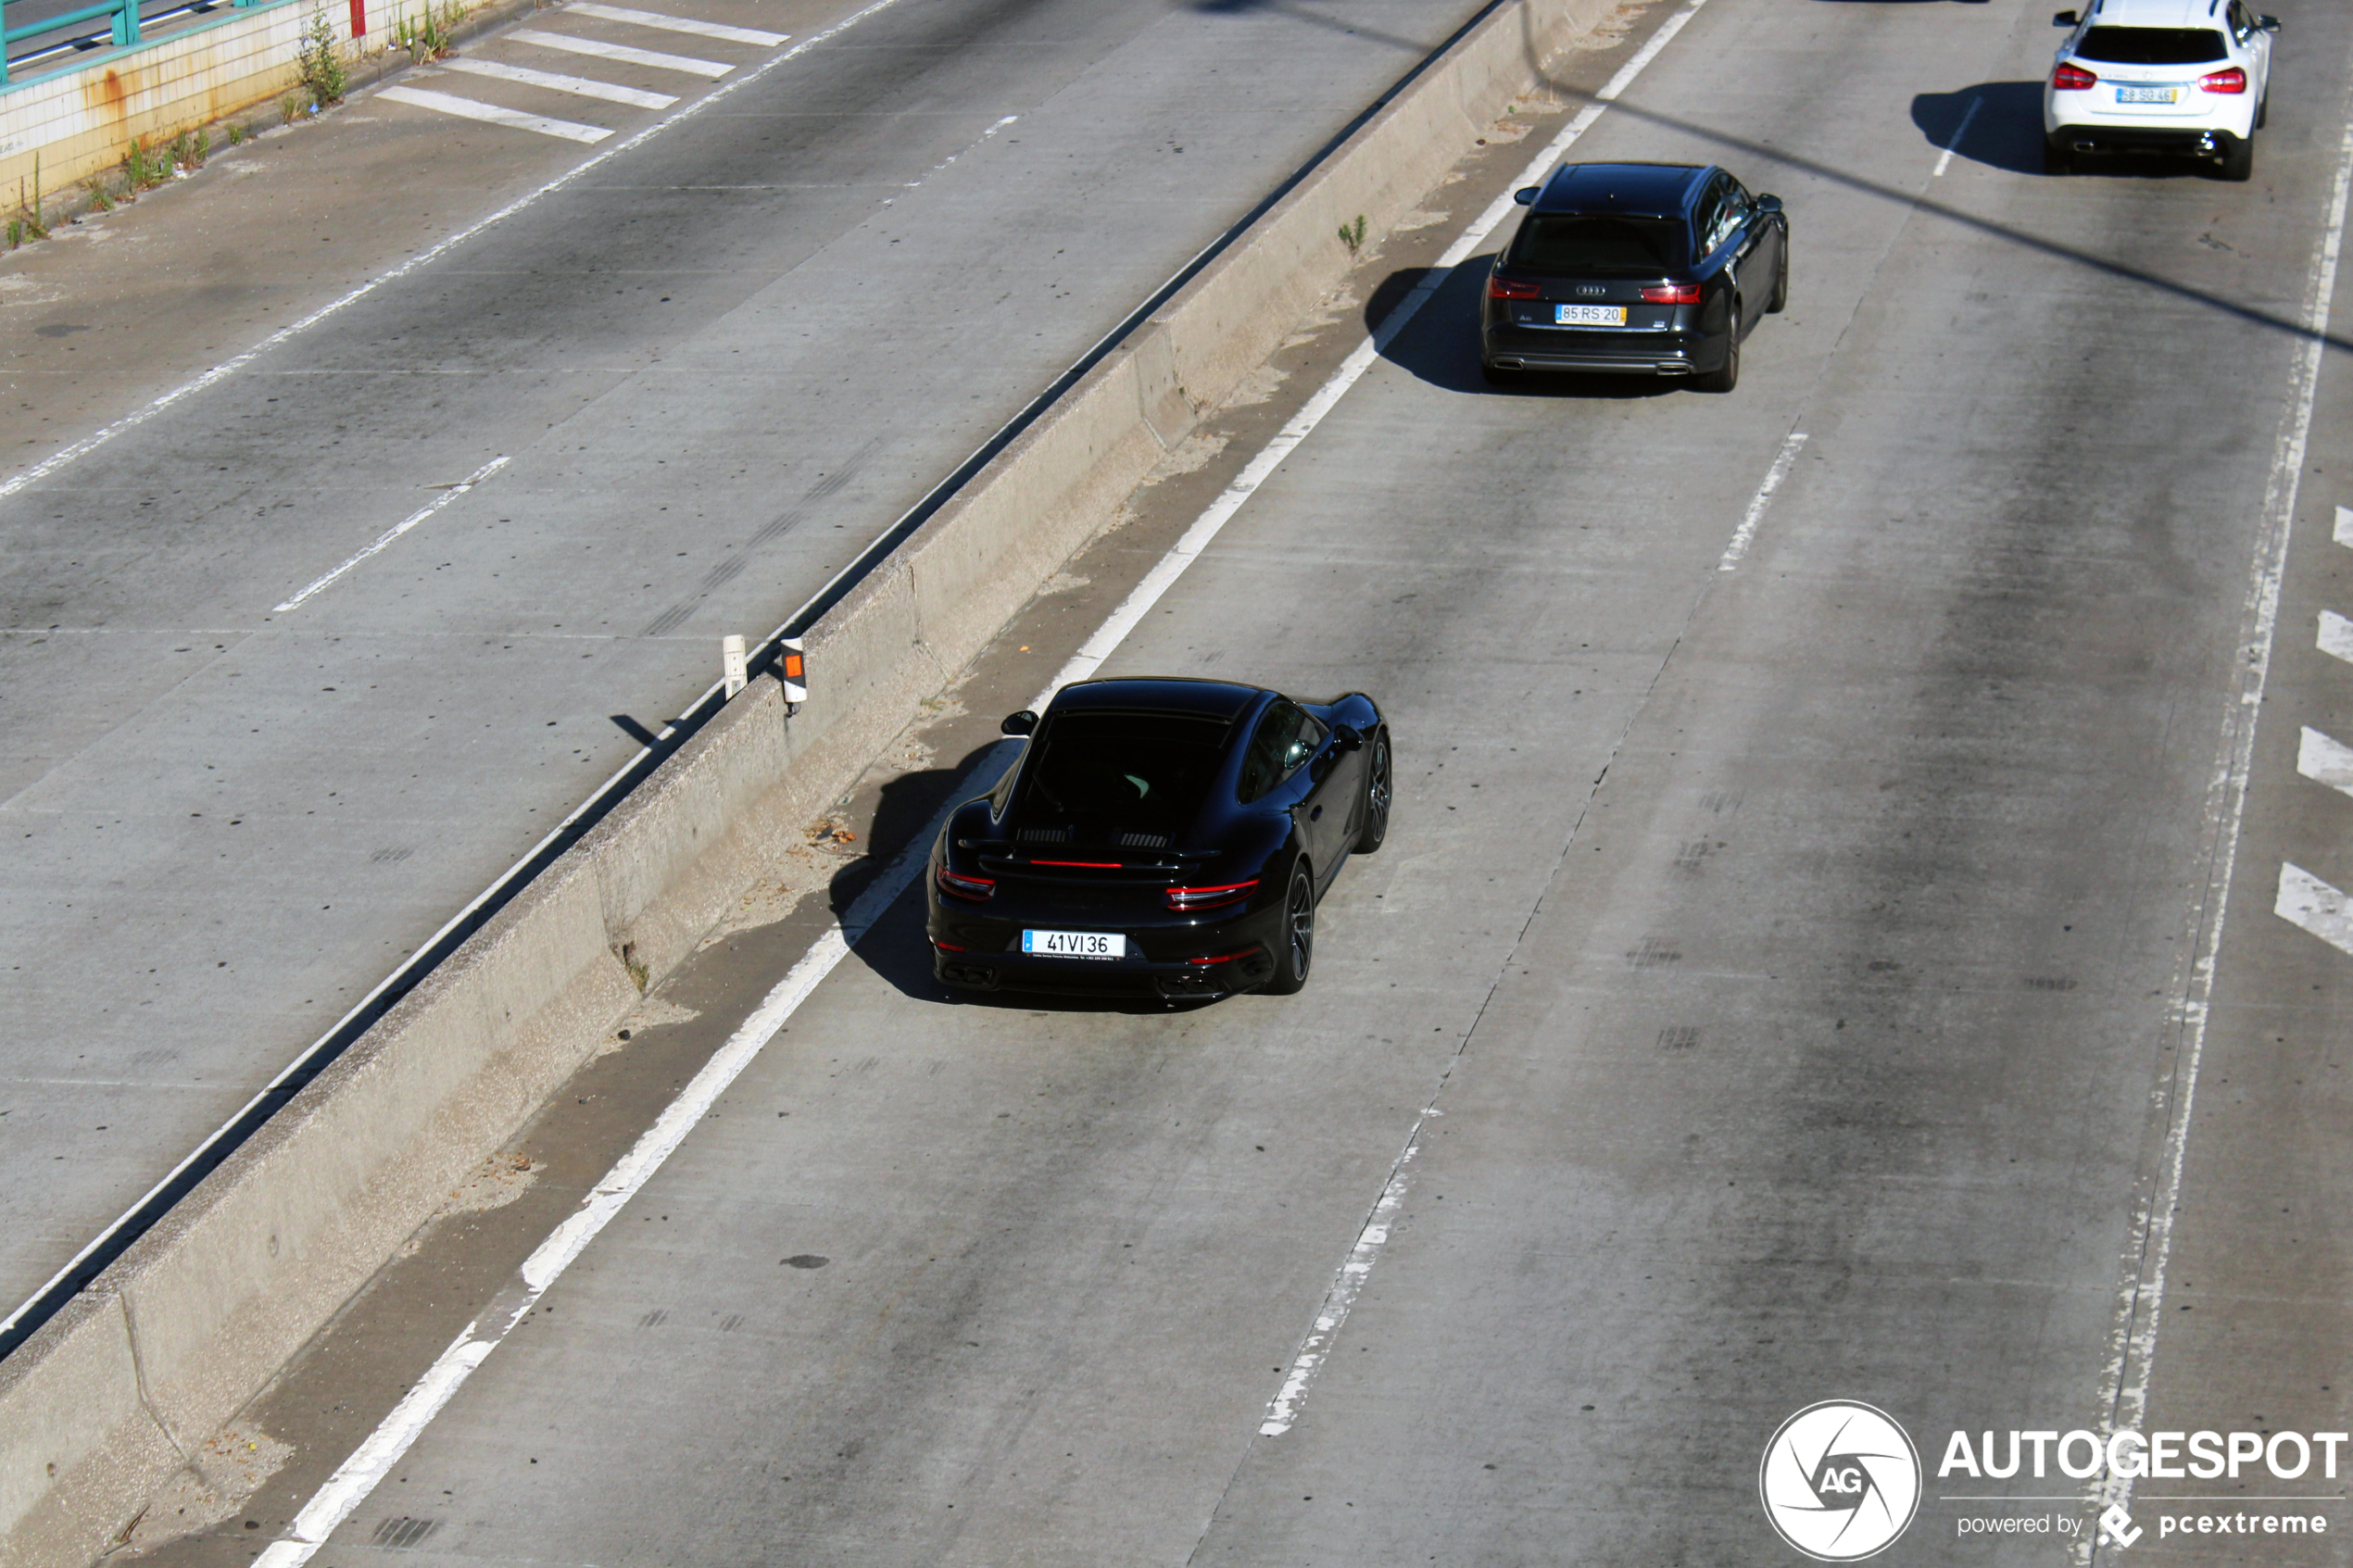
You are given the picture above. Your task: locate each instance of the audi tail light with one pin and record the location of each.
(2231, 81)
(962, 886)
(1186, 899)
(2072, 78)
(1513, 288)
(1671, 293)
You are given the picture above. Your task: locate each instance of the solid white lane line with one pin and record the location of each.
(359, 1474)
(679, 24)
(2141, 1289)
(1958, 131)
(2335, 637)
(448, 495)
(2344, 526)
(652, 59)
(467, 108)
(2325, 759)
(2305, 901)
(558, 83)
(1746, 532)
(426, 258)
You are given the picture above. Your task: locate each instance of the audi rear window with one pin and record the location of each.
(1582, 245)
(2152, 46)
(1112, 773)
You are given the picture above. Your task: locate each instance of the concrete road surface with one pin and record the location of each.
(251, 767)
(1788, 976)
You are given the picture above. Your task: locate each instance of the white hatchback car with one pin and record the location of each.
(2189, 76)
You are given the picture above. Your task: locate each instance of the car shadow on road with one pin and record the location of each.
(1440, 343)
(2005, 132)
(897, 949)
(1998, 124)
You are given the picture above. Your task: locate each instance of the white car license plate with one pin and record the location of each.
(1588, 315)
(2144, 94)
(1072, 945)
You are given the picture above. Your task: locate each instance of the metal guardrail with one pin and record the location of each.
(126, 24)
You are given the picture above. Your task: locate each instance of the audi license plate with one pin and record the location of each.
(1072, 945)
(1588, 315)
(2146, 94)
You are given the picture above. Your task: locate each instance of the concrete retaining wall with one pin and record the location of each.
(164, 1348)
(80, 121)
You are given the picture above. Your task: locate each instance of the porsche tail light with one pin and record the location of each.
(1186, 899)
(2072, 78)
(1513, 288)
(1671, 293)
(2231, 81)
(962, 886)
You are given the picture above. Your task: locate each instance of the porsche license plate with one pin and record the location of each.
(1588, 315)
(2146, 94)
(1072, 945)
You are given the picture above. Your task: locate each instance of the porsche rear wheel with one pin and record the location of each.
(1298, 950)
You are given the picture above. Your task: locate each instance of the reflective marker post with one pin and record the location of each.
(793, 673)
(731, 665)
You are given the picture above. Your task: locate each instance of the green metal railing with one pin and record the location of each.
(124, 21)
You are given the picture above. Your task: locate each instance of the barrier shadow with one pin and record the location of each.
(1439, 345)
(898, 949)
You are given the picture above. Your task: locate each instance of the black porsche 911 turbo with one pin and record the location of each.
(1654, 269)
(1159, 836)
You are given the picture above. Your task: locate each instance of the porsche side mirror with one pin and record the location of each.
(1769, 203)
(1019, 723)
(2267, 24)
(1347, 738)
(2063, 19)
(1525, 196)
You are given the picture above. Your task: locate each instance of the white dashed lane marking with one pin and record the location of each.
(2344, 526)
(651, 59)
(467, 108)
(555, 82)
(2305, 901)
(2324, 760)
(751, 35)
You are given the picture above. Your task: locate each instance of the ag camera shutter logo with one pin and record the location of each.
(1840, 1481)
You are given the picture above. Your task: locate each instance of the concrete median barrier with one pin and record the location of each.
(116, 1391)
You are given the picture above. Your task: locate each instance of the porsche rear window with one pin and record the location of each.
(1109, 774)
(2152, 46)
(1582, 245)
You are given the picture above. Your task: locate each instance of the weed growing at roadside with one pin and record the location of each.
(237, 133)
(291, 107)
(29, 224)
(321, 64)
(428, 37)
(1353, 234)
(143, 169)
